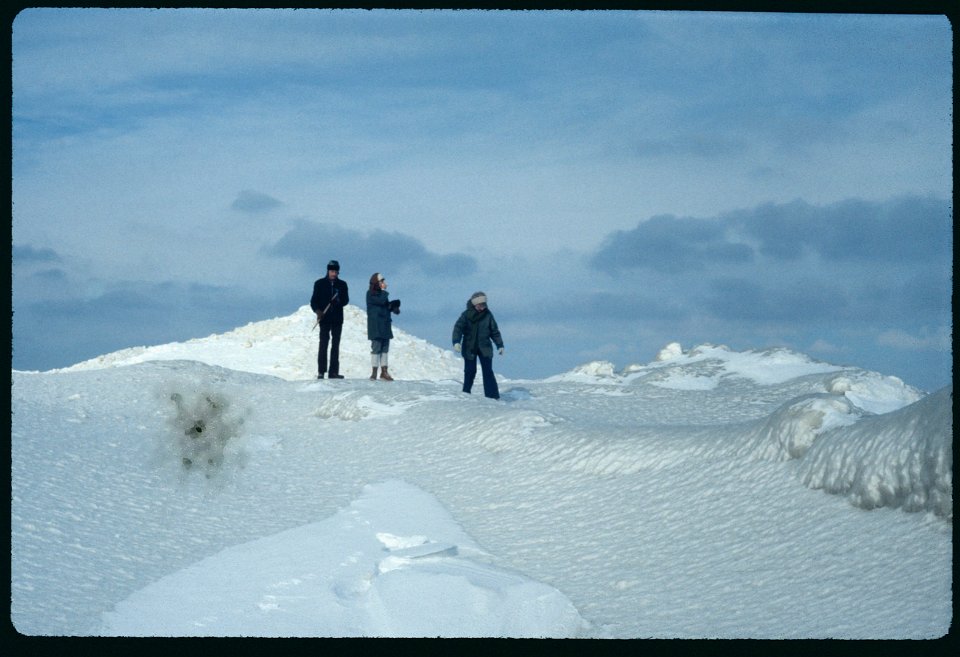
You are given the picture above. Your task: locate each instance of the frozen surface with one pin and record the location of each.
(216, 488)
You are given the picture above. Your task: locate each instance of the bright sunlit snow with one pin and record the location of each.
(215, 487)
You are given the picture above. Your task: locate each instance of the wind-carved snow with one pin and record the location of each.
(354, 405)
(706, 494)
(904, 459)
(790, 431)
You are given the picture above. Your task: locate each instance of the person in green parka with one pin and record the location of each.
(473, 334)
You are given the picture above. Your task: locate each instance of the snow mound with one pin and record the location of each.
(707, 367)
(391, 564)
(671, 352)
(764, 367)
(594, 371)
(874, 392)
(286, 347)
(900, 459)
(790, 431)
(704, 367)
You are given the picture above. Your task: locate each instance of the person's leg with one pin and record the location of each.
(385, 360)
(322, 354)
(374, 358)
(490, 388)
(469, 373)
(335, 332)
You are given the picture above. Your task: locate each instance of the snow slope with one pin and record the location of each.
(287, 347)
(215, 487)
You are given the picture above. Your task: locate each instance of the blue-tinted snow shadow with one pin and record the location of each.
(516, 394)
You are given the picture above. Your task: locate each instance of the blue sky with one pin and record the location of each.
(613, 180)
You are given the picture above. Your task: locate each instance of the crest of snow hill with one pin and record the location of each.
(286, 347)
(857, 433)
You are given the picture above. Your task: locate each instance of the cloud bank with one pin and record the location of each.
(313, 244)
(854, 261)
(903, 230)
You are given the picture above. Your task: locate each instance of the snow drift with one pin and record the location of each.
(215, 487)
(903, 459)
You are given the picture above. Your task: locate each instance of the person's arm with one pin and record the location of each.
(495, 332)
(315, 298)
(458, 329)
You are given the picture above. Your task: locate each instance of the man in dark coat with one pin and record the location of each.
(330, 295)
(472, 334)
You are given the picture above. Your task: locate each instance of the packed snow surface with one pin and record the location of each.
(215, 487)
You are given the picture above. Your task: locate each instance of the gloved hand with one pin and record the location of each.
(500, 350)
(456, 347)
(395, 306)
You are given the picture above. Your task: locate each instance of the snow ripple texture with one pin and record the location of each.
(709, 494)
(904, 459)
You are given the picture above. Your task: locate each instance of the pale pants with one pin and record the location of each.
(379, 353)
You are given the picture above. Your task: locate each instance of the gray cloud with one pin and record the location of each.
(671, 244)
(908, 229)
(314, 244)
(251, 202)
(903, 230)
(39, 274)
(27, 254)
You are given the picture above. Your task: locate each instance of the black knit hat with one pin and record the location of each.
(333, 264)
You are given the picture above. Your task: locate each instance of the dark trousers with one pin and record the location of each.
(490, 388)
(326, 333)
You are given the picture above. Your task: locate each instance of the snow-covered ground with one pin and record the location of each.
(215, 487)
